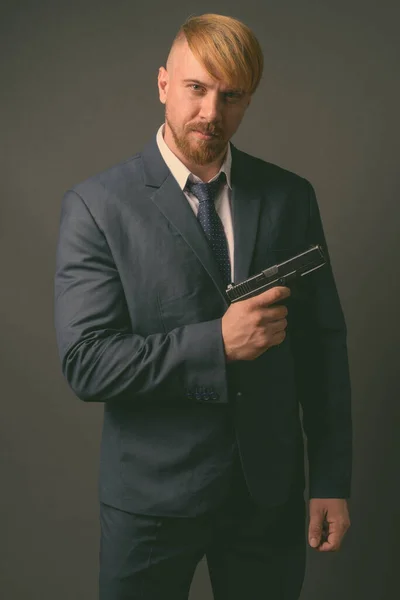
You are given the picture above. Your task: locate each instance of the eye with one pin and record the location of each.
(232, 96)
(195, 87)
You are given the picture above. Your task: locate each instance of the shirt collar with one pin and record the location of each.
(180, 171)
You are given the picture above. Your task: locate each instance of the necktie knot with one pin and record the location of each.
(206, 192)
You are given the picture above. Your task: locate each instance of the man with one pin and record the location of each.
(202, 447)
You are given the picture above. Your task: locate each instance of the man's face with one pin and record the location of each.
(201, 113)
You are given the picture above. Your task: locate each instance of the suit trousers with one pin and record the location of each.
(252, 552)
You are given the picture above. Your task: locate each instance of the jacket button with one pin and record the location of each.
(239, 395)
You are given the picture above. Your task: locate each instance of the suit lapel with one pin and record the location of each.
(171, 201)
(245, 214)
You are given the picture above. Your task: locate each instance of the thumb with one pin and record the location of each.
(315, 529)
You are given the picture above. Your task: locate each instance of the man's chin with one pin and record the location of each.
(204, 152)
(203, 158)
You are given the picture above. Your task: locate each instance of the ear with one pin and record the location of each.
(162, 84)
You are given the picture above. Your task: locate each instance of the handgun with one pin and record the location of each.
(283, 273)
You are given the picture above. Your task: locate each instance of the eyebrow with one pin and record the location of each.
(235, 90)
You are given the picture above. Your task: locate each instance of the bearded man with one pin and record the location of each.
(202, 445)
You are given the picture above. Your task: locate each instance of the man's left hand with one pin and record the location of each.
(329, 521)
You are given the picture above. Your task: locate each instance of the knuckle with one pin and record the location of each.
(258, 318)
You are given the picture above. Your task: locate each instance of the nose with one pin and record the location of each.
(211, 108)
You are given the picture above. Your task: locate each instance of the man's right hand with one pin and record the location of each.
(250, 327)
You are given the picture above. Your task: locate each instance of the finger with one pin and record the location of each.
(332, 536)
(271, 317)
(272, 296)
(276, 313)
(277, 338)
(278, 326)
(315, 530)
(327, 547)
(331, 544)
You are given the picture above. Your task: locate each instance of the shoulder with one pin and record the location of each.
(117, 179)
(266, 173)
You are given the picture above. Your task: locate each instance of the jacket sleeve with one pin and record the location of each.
(102, 358)
(322, 372)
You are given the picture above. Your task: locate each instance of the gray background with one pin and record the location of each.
(78, 94)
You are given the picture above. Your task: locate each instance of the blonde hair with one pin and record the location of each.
(226, 48)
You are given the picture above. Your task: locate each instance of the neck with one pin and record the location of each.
(205, 172)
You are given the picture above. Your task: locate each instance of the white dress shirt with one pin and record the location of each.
(223, 199)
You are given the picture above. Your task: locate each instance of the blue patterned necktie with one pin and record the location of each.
(211, 223)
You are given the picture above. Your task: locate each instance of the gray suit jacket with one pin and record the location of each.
(138, 308)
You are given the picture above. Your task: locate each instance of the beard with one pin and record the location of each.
(198, 151)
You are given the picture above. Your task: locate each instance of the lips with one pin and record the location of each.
(207, 134)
